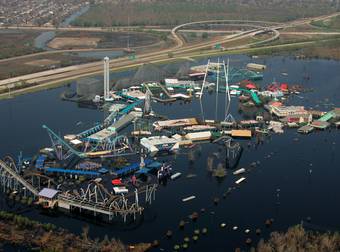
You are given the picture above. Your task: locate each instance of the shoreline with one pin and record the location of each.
(17, 230)
(274, 49)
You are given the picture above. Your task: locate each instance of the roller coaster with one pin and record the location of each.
(64, 151)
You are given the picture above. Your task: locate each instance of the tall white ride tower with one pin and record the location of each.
(107, 96)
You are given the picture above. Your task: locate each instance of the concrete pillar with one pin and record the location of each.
(106, 78)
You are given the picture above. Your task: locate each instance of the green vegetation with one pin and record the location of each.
(115, 39)
(165, 12)
(298, 239)
(325, 49)
(22, 231)
(15, 43)
(332, 24)
(24, 222)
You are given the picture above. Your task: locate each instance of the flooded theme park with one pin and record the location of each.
(194, 155)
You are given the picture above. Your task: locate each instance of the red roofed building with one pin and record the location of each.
(284, 87)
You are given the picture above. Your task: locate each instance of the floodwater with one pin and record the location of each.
(74, 16)
(42, 40)
(296, 176)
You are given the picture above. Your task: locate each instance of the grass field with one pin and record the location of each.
(172, 12)
(105, 39)
(333, 23)
(15, 43)
(38, 63)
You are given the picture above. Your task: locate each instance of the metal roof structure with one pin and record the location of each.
(48, 193)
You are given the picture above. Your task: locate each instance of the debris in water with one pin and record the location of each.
(247, 231)
(223, 225)
(239, 181)
(176, 175)
(210, 163)
(194, 216)
(268, 223)
(235, 228)
(239, 171)
(188, 198)
(177, 247)
(181, 224)
(204, 231)
(220, 172)
(258, 231)
(191, 175)
(155, 243)
(168, 234)
(248, 241)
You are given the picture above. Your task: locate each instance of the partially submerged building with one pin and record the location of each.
(283, 111)
(176, 123)
(159, 143)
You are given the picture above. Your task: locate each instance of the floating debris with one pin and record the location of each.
(247, 231)
(239, 171)
(185, 245)
(177, 247)
(223, 225)
(235, 228)
(220, 171)
(186, 239)
(210, 163)
(253, 164)
(204, 231)
(191, 176)
(268, 223)
(197, 232)
(239, 181)
(168, 233)
(194, 216)
(195, 238)
(176, 175)
(155, 243)
(188, 198)
(181, 224)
